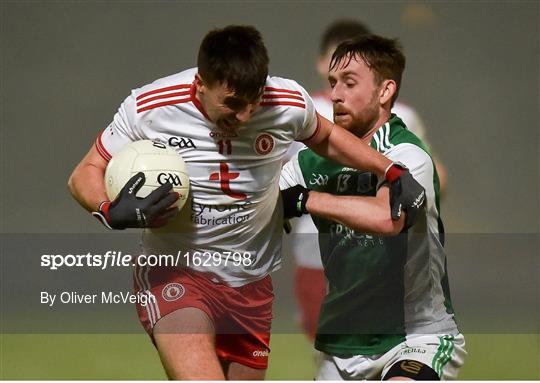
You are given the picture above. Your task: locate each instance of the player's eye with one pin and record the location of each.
(235, 103)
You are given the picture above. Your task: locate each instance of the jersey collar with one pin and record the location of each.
(195, 100)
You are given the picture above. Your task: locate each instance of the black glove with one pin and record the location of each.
(405, 194)
(294, 201)
(129, 211)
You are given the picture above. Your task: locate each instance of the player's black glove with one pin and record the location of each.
(129, 211)
(294, 201)
(405, 194)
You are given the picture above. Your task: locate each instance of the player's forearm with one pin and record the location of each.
(362, 214)
(87, 187)
(347, 149)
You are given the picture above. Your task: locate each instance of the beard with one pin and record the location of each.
(360, 122)
(364, 120)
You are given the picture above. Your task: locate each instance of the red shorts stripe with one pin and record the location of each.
(271, 89)
(142, 284)
(174, 87)
(164, 103)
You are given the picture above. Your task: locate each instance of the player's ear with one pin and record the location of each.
(199, 84)
(388, 89)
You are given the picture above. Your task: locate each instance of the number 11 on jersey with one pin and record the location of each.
(225, 146)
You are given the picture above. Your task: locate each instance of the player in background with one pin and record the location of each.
(309, 280)
(388, 313)
(212, 319)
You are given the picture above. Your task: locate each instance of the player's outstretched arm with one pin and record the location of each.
(342, 146)
(360, 213)
(336, 143)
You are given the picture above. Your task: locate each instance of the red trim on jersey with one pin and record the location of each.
(105, 157)
(271, 89)
(196, 102)
(276, 103)
(101, 149)
(174, 87)
(166, 95)
(267, 96)
(316, 130)
(164, 103)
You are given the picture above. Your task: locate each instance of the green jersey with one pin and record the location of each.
(379, 288)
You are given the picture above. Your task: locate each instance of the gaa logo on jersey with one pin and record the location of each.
(173, 291)
(182, 142)
(264, 143)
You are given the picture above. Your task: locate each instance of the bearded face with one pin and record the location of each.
(355, 96)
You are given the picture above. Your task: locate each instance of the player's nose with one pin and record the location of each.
(245, 114)
(336, 94)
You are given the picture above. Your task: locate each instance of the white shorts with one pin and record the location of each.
(445, 354)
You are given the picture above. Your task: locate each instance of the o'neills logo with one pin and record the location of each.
(223, 134)
(260, 353)
(264, 143)
(173, 291)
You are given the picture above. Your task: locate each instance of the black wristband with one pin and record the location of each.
(302, 201)
(294, 201)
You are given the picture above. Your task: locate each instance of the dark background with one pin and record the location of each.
(472, 73)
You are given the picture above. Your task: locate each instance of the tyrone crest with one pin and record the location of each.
(264, 144)
(173, 291)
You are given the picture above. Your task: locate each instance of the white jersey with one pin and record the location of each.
(303, 247)
(324, 106)
(234, 176)
(304, 243)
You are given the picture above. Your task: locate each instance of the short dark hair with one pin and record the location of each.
(342, 30)
(383, 56)
(234, 55)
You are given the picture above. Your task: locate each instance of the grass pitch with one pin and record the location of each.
(133, 357)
